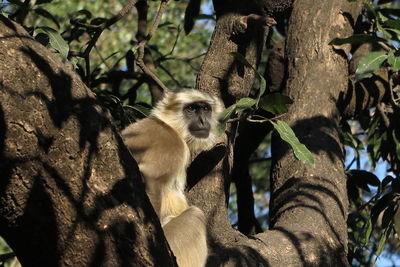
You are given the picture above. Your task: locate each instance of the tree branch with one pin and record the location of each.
(98, 30)
(143, 43)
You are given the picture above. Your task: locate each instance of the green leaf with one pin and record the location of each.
(221, 129)
(370, 9)
(206, 16)
(392, 24)
(396, 220)
(56, 40)
(245, 103)
(368, 232)
(394, 59)
(275, 103)
(224, 116)
(300, 150)
(356, 39)
(388, 179)
(380, 206)
(387, 217)
(263, 86)
(191, 13)
(142, 110)
(364, 177)
(382, 242)
(385, 34)
(381, 17)
(370, 62)
(38, 2)
(46, 14)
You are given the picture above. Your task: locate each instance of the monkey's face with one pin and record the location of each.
(197, 116)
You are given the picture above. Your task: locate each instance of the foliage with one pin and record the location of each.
(374, 216)
(110, 69)
(273, 103)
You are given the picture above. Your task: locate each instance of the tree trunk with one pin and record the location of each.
(309, 204)
(70, 194)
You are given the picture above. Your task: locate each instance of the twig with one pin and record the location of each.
(160, 12)
(391, 89)
(171, 76)
(263, 119)
(143, 43)
(385, 118)
(99, 30)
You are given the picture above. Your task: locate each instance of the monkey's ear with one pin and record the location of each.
(204, 163)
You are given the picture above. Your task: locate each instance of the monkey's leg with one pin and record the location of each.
(187, 237)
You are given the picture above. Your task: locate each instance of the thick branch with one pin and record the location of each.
(68, 185)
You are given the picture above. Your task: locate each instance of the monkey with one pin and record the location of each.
(182, 124)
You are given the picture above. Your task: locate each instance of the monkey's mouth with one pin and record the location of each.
(200, 133)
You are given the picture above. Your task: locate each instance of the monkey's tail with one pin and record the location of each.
(187, 237)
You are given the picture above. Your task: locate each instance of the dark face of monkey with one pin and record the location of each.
(197, 115)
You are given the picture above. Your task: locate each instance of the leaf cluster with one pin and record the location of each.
(374, 218)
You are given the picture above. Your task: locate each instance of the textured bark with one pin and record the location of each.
(70, 194)
(309, 204)
(222, 75)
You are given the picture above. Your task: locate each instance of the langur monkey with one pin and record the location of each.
(181, 125)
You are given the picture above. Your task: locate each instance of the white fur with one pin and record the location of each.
(175, 120)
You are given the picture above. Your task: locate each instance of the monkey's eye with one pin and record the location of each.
(191, 108)
(206, 109)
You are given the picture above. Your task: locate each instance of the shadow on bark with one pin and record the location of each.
(48, 212)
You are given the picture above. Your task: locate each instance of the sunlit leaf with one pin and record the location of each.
(371, 62)
(300, 150)
(368, 232)
(245, 103)
(224, 116)
(394, 59)
(56, 40)
(385, 34)
(381, 244)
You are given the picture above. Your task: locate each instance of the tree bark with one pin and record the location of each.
(70, 193)
(309, 204)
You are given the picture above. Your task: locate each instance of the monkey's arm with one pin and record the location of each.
(162, 158)
(156, 147)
